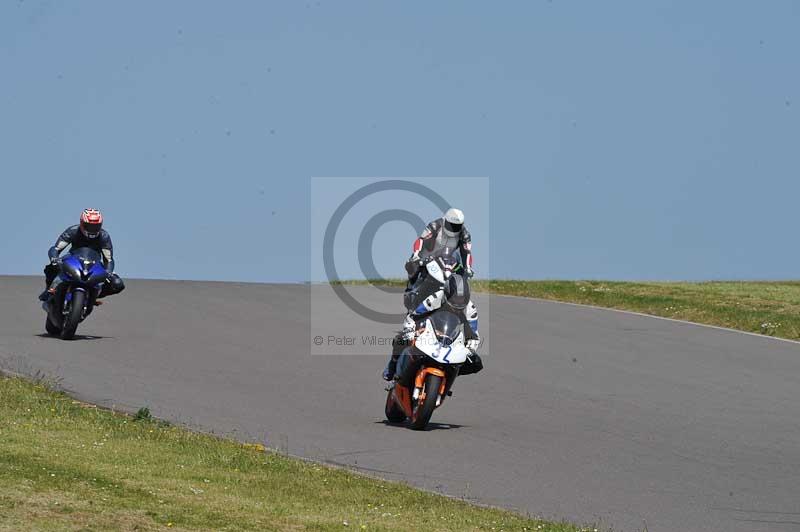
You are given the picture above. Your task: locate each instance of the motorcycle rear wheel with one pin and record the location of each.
(50, 328)
(393, 411)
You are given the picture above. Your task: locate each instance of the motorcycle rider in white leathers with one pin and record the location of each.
(445, 232)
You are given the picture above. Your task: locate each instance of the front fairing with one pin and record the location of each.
(71, 269)
(97, 275)
(429, 344)
(443, 263)
(436, 272)
(83, 268)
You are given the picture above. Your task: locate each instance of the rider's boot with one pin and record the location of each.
(47, 294)
(50, 276)
(390, 369)
(44, 296)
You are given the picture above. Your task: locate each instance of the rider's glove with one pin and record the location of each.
(469, 271)
(473, 343)
(53, 261)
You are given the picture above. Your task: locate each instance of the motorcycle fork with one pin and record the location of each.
(419, 382)
(406, 398)
(91, 298)
(68, 303)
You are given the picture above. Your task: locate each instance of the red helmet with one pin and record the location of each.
(91, 223)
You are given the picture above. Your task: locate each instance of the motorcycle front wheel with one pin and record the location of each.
(423, 408)
(73, 316)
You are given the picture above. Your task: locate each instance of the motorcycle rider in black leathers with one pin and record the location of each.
(446, 232)
(89, 233)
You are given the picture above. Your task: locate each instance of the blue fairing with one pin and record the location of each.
(72, 271)
(97, 275)
(69, 266)
(473, 324)
(72, 261)
(421, 309)
(97, 269)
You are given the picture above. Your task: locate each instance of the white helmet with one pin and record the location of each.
(453, 222)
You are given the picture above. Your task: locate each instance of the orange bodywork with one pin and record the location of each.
(403, 394)
(420, 380)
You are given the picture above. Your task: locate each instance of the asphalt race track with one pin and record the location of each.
(582, 414)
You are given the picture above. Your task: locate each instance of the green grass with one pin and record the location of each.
(65, 465)
(769, 308)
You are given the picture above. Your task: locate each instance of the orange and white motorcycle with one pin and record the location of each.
(427, 369)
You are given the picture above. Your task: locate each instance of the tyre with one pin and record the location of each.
(51, 329)
(394, 413)
(73, 317)
(423, 409)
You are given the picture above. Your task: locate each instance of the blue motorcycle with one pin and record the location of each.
(82, 277)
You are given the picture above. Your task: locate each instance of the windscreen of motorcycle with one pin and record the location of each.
(450, 258)
(86, 255)
(447, 326)
(446, 260)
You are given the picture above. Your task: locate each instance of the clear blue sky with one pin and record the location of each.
(625, 140)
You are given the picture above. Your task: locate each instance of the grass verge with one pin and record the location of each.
(65, 465)
(769, 308)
